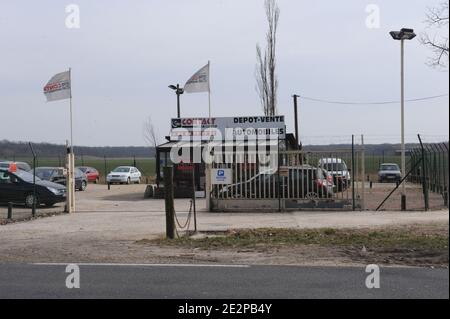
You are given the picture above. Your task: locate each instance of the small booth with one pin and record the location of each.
(191, 138)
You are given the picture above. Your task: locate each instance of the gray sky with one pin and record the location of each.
(125, 53)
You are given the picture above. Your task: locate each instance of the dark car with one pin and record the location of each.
(304, 181)
(17, 187)
(91, 173)
(57, 175)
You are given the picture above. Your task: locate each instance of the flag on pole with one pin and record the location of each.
(58, 88)
(199, 82)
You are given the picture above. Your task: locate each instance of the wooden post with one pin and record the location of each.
(193, 197)
(170, 210)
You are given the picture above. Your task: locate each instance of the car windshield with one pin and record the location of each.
(83, 169)
(48, 173)
(334, 167)
(121, 170)
(389, 168)
(25, 176)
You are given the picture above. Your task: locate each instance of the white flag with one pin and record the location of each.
(199, 82)
(58, 88)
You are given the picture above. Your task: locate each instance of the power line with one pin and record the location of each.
(371, 103)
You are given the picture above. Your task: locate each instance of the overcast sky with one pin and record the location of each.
(126, 53)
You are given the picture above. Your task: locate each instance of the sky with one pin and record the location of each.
(124, 55)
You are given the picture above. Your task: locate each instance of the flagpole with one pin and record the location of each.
(71, 155)
(209, 92)
(71, 125)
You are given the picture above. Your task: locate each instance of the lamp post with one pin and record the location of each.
(178, 92)
(402, 35)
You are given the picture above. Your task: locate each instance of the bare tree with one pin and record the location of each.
(266, 79)
(150, 134)
(437, 18)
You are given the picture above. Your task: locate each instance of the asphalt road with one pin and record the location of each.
(208, 281)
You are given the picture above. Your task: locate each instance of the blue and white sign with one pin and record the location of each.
(221, 176)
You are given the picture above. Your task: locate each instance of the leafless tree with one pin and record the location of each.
(150, 134)
(437, 18)
(266, 79)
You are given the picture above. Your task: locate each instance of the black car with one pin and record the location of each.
(304, 181)
(17, 187)
(56, 175)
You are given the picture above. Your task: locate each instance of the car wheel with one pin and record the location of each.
(312, 195)
(129, 181)
(30, 199)
(97, 180)
(83, 186)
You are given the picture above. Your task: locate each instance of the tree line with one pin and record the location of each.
(10, 150)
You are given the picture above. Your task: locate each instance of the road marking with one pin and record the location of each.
(143, 265)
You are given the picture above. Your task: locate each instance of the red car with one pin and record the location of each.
(91, 173)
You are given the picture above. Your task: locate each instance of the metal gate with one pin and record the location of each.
(325, 180)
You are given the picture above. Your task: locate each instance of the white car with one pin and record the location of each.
(337, 168)
(124, 174)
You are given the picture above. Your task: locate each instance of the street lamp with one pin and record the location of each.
(402, 35)
(178, 92)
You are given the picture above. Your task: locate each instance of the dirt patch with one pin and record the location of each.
(414, 197)
(414, 245)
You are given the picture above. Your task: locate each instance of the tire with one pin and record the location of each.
(312, 195)
(128, 181)
(83, 186)
(97, 180)
(29, 199)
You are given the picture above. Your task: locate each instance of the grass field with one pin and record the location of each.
(145, 165)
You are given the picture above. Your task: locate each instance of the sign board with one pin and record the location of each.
(284, 171)
(221, 176)
(229, 128)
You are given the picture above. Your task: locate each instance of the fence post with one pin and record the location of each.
(445, 173)
(106, 172)
(424, 175)
(168, 190)
(363, 173)
(353, 173)
(10, 206)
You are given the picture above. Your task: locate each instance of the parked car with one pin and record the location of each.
(17, 187)
(124, 174)
(337, 168)
(57, 175)
(303, 181)
(20, 165)
(389, 172)
(91, 173)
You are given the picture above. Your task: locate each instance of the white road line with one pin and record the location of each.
(143, 265)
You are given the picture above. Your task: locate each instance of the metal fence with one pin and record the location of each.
(429, 165)
(103, 165)
(299, 179)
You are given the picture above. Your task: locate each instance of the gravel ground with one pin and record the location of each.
(108, 224)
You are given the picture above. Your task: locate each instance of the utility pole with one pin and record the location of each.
(295, 96)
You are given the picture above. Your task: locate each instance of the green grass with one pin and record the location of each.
(145, 165)
(271, 237)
